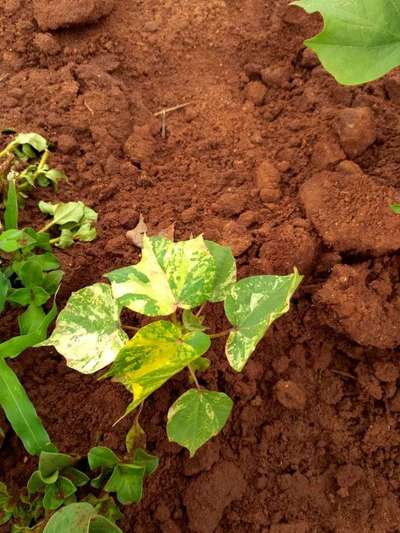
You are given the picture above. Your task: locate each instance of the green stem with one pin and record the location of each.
(221, 334)
(7, 150)
(47, 227)
(193, 374)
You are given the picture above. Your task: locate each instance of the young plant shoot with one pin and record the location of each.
(175, 280)
(25, 162)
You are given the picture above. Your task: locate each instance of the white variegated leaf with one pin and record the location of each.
(169, 275)
(157, 352)
(251, 307)
(88, 332)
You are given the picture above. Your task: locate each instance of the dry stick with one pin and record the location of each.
(163, 114)
(130, 328)
(341, 373)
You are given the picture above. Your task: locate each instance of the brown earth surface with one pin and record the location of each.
(257, 160)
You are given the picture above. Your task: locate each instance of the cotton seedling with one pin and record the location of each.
(173, 280)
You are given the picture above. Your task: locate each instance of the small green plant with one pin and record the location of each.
(52, 492)
(174, 279)
(25, 161)
(360, 41)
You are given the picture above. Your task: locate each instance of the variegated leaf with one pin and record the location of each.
(225, 270)
(157, 352)
(88, 332)
(169, 275)
(251, 307)
(196, 417)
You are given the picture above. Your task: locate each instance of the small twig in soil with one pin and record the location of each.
(4, 77)
(163, 114)
(88, 107)
(341, 373)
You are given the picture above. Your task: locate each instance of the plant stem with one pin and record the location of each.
(174, 318)
(41, 164)
(47, 227)
(193, 374)
(221, 334)
(201, 309)
(130, 328)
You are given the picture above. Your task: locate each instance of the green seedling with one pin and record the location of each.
(80, 518)
(52, 491)
(30, 277)
(360, 41)
(175, 280)
(123, 477)
(74, 220)
(25, 161)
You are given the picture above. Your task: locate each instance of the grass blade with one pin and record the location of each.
(11, 210)
(21, 413)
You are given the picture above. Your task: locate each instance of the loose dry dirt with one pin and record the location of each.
(272, 157)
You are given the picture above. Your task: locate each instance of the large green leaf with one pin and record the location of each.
(21, 413)
(169, 275)
(361, 38)
(251, 307)
(157, 352)
(225, 270)
(196, 417)
(35, 140)
(88, 331)
(79, 518)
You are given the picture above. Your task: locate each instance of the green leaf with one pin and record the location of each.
(47, 207)
(196, 417)
(101, 524)
(251, 307)
(135, 438)
(53, 462)
(31, 319)
(35, 140)
(66, 239)
(88, 331)
(127, 482)
(19, 296)
(79, 518)
(360, 41)
(149, 462)
(11, 210)
(86, 233)
(35, 482)
(4, 288)
(16, 345)
(169, 275)
(157, 352)
(78, 478)
(105, 506)
(395, 208)
(225, 270)
(68, 212)
(191, 322)
(200, 365)
(21, 413)
(74, 518)
(102, 457)
(14, 239)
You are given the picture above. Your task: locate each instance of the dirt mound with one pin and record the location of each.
(55, 14)
(351, 212)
